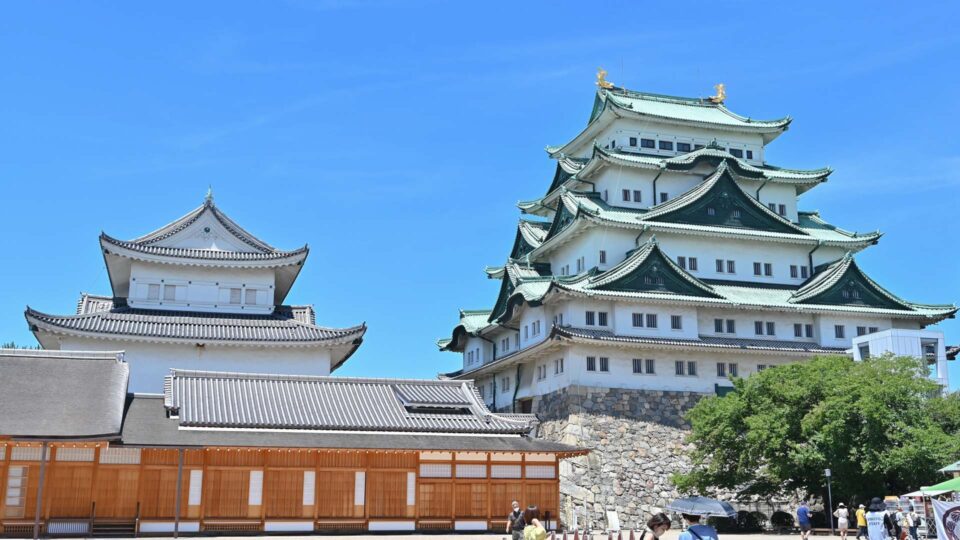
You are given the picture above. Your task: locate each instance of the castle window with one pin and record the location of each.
(153, 292)
(761, 367)
(647, 143)
(749, 154)
(605, 193)
(797, 330)
(664, 196)
(736, 213)
(711, 211)
(651, 320)
(653, 280)
(808, 330)
(682, 262)
(637, 195)
(731, 267)
(731, 326)
(804, 272)
(721, 369)
(772, 206)
(169, 293)
(767, 269)
(638, 320)
(626, 195)
(633, 141)
(505, 384)
(683, 147)
(692, 263)
(733, 369)
(235, 295)
(719, 266)
(782, 209)
(678, 367)
(873, 330)
(794, 271)
(676, 322)
(602, 318)
(771, 328)
(758, 328)
(638, 365)
(756, 269)
(839, 332)
(861, 330)
(736, 152)
(591, 363)
(666, 145)
(604, 364)
(650, 365)
(558, 366)
(718, 326)
(603, 257)
(692, 368)
(590, 318)
(250, 297)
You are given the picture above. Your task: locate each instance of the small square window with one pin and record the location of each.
(664, 196)
(839, 331)
(169, 293)
(733, 369)
(590, 318)
(772, 207)
(861, 330)
(250, 297)
(604, 364)
(797, 330)
(768, 269)
(756, 268)
(761, 367)
(676, 322)
(711, 211)
(808, 330)
(235, 295)
(637, 195)
(873, 330)
(692, 264)
(591, 363)
(637, 365)
(718, 326)
(735, 213)
(771, 328)
(650, 365)
(719, 266)
(683, 147)
(638, 320)
(692, 368)
(731, 326)
(794, 271)
(647, 143)
(602, 318)
(679, 367)
(682, 262)
(731, 267)
(758, 328)
(721, 369)
(651, 320)
(749, 154)
(804, 272)
(736, 152)
(633, 141)
(603, 257)
(782, 209)
(666, 145)
(626, 195)
(153, 292)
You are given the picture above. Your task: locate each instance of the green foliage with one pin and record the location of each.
(878, 425)
(13, 345)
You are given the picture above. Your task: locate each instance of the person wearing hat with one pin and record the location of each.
(861, 522)
(843, 520)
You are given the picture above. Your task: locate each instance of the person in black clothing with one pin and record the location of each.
(515, 522)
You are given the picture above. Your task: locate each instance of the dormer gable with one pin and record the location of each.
(647, 269)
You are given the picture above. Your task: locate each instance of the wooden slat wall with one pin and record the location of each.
(72, 487)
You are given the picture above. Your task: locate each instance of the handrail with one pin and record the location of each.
(93, 518)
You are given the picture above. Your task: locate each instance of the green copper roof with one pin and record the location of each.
(842, 282)
(471, 322)
(647, 269)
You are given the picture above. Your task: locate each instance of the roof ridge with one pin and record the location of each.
(206, 374)
(116, 356)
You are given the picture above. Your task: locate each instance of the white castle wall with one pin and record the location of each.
(202, 288)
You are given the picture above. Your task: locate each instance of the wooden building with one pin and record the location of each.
(230, 452)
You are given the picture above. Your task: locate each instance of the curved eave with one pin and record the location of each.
(39, 322)
(354, 345)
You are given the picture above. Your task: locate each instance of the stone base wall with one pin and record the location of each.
(636, 440)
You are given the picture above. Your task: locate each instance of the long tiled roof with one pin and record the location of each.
(62, 394)
(291, 402)
(284, 326)
(294, 256)
(703, 341)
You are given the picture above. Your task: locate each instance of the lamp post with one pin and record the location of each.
(826, 472)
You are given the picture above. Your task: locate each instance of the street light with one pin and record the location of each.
(826, 472)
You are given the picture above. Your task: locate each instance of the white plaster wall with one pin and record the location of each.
(528, 316)
(616, 242)
(203, 287)
(485, 349)
(623, 321)
(828, 336)
(150, 362)
(783, 323)
(772, 192)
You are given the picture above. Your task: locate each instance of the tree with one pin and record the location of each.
(881, 426)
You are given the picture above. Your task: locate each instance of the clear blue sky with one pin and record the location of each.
(396, 137)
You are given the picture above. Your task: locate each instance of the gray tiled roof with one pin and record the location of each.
(704, 341)
(284, 325)
(147, 424)
(295, 256)
(93, 303)
(292, 402)
(61, 394)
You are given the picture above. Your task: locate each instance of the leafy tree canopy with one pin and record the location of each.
(880, 426)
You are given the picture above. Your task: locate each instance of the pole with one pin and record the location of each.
(176, 504)
(43, 469)
(830, 502)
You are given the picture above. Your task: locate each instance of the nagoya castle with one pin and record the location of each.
(665, 258)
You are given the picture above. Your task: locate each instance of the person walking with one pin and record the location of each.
(534, 529)
(657, 525)
(898, 520)
(861, 522)
(696, 531)
(913, 523)
(843, 520)
(515, 522)
(803, 519)
(879, 524)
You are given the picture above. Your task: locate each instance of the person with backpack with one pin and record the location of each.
(879, 524)
(515, 522)
(696, 531)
